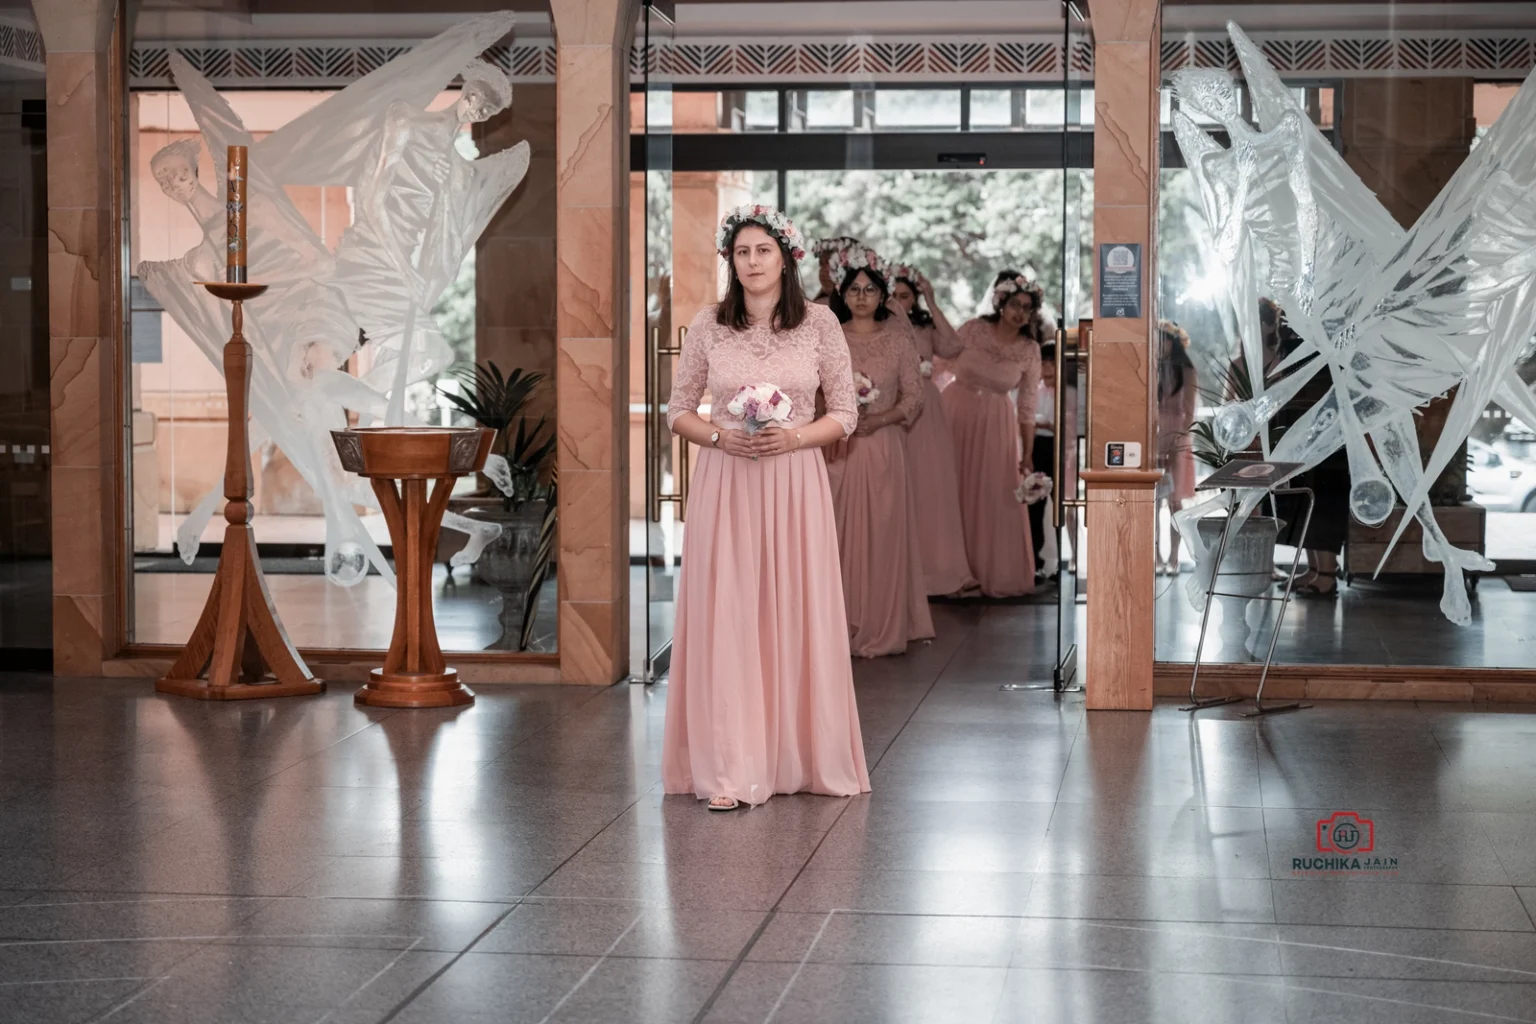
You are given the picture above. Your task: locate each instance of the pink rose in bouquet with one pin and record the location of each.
(865, 389)
(760, 405)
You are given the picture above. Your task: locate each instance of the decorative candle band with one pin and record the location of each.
(234, 205)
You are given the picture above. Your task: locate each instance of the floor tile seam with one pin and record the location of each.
(1526, 906)
(435, 975)
(133, 996)
(752, 940)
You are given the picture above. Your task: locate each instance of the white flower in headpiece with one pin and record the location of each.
(779, 226)
(854, 259)
(1004, 290)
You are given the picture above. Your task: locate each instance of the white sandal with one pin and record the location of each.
(723, 803)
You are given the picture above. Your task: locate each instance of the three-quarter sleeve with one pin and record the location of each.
(946, 343)
(910, 404)
(1029, 384)
(690, 379)
(835, 369)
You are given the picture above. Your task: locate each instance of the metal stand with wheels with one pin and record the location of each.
(1196, 702)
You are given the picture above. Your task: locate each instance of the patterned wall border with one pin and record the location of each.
(21, 45)
(1012, 59)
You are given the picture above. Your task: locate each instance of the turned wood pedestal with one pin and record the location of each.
(239, 648)
(400, 462)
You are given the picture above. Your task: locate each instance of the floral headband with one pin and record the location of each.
(909, 272)
(771, 220)
(1005, 290)
(847, 262)
(832, 246)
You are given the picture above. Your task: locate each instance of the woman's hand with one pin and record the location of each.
(737, 443)
(1026, 465)
(925, 289)
(775, 441)
(870, 423)
(894, 308)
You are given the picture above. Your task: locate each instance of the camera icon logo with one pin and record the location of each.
(1345, 832)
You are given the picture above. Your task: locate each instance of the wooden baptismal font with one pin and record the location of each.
(399, 462)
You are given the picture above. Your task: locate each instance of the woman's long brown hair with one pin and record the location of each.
(790, 311)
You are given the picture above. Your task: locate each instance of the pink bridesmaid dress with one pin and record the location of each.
(760, 698)
(935, 486)
(877, 531)
(985, 425)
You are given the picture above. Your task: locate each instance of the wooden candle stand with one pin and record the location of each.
(414, 673)
(239, 636)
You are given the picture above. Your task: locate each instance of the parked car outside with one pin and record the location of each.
(1499, 481)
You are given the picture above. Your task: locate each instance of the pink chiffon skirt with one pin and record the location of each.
(936, 492)
(760, 698)
(996, 526)
(877, 538)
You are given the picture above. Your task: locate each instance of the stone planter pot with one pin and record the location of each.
(508, 562)
(1248, 565)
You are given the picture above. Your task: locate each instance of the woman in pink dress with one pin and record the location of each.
(999, 353)
(877, 533)
(930, 445)
(760, 699)
(825, 250)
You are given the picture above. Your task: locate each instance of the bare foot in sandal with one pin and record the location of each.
(723, 803)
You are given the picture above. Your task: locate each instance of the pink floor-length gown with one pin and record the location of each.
(985, 425)
(760, 698)
(877, 532)
(935, 485)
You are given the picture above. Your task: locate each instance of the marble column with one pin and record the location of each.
(86, 425)
(1119, 647)
(592, 39)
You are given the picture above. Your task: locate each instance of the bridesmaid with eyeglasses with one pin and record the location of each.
(872, 491)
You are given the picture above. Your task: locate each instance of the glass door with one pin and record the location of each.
(657, 542)
(1072, 337)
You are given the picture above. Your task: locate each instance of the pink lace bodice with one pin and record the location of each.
(987, 364)
(887, 357)
(722, 361)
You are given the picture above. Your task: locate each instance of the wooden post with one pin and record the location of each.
(238, 638)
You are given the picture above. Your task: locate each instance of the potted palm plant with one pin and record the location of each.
(521, 500)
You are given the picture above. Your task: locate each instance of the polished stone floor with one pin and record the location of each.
(304, 861)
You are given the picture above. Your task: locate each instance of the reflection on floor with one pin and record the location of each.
(1369, 623)
(317, 613)
(303, 860)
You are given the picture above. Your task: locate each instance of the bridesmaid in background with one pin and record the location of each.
(825, 250)
(930, 445)
(1000, 352)
(877, 527)
(760, 699)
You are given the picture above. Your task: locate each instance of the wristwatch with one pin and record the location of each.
(714, 439)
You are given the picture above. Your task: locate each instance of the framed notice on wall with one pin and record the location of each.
(1120, 280)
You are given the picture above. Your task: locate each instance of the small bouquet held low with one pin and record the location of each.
(1035, 488)
(865, 388)
(759, 406)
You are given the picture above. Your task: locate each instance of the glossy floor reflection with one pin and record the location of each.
(303, 861)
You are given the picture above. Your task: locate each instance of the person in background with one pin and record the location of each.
(994, 439)
(931, 445)
(1044, 460)
(825, 249)
(877, 525)
(761, 694)
(1177, 394)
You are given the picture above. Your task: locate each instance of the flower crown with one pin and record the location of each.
(909, 272)
(847, 262)
(829, 246)
(766, 217)
(1005, 290)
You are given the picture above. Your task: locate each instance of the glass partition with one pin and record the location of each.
(1345, 294)
(26, 568)
(324, 362)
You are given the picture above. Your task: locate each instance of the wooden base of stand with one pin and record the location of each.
(407, 690)
(239, 650)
